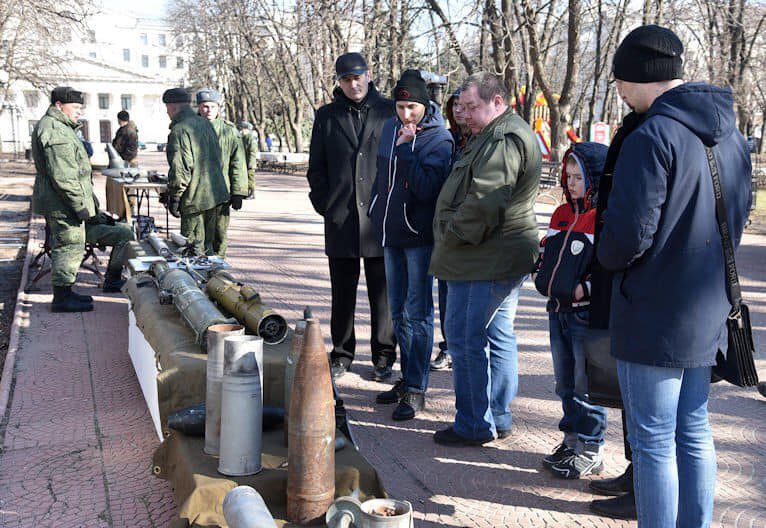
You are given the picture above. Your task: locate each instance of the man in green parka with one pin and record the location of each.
(251, 155)
(233, 163)
(63, 193)
(196, 185)
(486, 243)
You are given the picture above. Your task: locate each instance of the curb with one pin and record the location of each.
(19, 311)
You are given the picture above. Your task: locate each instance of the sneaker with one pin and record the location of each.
(382, 370)
(338, 368)
(410, 404)
(577, 466)
(449, 437)
(614, 486)
(562, 452)
(441, 361)
(394, 394)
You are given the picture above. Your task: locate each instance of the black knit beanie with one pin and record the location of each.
(649, 54)
(411, 87)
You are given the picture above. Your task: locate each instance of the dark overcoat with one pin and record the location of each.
(341, 172)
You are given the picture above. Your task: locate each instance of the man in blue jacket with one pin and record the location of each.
(669, 300)
(414, 158)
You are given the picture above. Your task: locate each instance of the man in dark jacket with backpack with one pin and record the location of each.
(669, 301)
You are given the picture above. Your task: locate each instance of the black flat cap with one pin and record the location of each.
(176, 95)
(350, 64)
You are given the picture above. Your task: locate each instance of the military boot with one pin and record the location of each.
(113, 282)
(83, 298)
(64, 300)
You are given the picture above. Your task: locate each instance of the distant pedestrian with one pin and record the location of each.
(251, 155)
(125, 141)
(414, 159)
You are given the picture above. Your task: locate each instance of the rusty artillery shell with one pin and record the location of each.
(310, 451)
(290, 362)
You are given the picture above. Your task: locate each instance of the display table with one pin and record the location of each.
(125, 197)
(169, 352)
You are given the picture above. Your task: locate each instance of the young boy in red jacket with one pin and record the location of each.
(562, 275)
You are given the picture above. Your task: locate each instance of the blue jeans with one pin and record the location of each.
(673, 453)
(410, 297)
(583, 423)
(482, 344)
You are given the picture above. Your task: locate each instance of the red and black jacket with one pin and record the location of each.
(567, 248)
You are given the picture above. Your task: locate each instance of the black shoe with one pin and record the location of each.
(503, 433)
(64, 301)
(83, 298)
(622, 507)
(410, 404)
(339, 367)
(382, 370)
(614, 486)
(578, 466)
(762, 388)
(562, 452)
(449, 437)
(441, 361)
(394, 394)
(113, 284)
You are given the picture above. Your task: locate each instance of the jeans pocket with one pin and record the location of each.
(582, 316)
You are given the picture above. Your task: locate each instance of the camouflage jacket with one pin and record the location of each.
(194, 157)
(63, 182)
(233, 161)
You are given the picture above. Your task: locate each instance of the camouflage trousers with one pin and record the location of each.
(199, 229)
(220, 238)
(68, 238)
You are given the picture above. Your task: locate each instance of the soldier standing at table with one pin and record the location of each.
(233, 164)
(196, 185)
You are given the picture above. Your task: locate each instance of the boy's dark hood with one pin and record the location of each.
(705, 109)
(592, 156)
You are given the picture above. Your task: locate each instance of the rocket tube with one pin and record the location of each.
(310, 451)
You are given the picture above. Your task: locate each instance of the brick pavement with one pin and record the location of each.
(78, 439)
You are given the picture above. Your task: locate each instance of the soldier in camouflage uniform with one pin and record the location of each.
(251, 155)
(233, 163)
(196, 185)
(63, 193)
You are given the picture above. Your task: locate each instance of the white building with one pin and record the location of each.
(124, 63)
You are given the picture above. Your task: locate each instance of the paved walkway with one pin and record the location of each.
(77, 439)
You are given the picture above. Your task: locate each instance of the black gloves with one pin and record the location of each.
(174, 206)
(236, 202)
(83, 214)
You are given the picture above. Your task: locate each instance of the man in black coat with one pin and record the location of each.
(341, 172)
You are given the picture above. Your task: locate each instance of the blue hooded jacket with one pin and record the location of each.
(660, 233)
(409, 178)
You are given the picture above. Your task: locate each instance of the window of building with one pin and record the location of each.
(145, 61)
(161, 39)
(92, 54)
(103, 101)
(179, 62)
(126, 101)
(143, 38)
(105, 130)
(31, 99)
(163, 61)
(126, 55)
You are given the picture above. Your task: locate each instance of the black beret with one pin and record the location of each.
(176, 95)
(66, 94)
